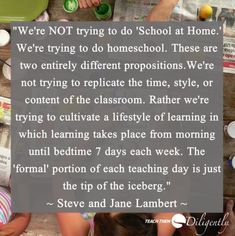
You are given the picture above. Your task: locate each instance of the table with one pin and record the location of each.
(56, 12)
(41, 222)
(229, 115)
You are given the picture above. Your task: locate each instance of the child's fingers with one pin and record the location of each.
(80, 3)
(96, 2)
(89, 3)
(83, 4)
(229, 206)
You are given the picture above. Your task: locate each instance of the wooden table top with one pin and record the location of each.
(56, 12)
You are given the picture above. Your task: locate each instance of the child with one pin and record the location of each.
(115, 224)
(130, 224)
(10, 224)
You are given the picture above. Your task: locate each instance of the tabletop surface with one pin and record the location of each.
(46, 224)
(229, 115)
(56, 12)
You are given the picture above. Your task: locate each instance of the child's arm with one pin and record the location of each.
(162, 11)
(88, 3)
(72, 224)
(17, 226)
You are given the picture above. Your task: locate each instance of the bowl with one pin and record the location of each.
(4, 37)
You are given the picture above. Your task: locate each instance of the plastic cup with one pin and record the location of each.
(71, 6)
(103, 11)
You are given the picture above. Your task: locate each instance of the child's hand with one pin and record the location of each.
(6, 232)
(88, 3)
(162, 11)
(171, 2)
(230, 229)
(17, 226)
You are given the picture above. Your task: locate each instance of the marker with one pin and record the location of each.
(103, 11)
